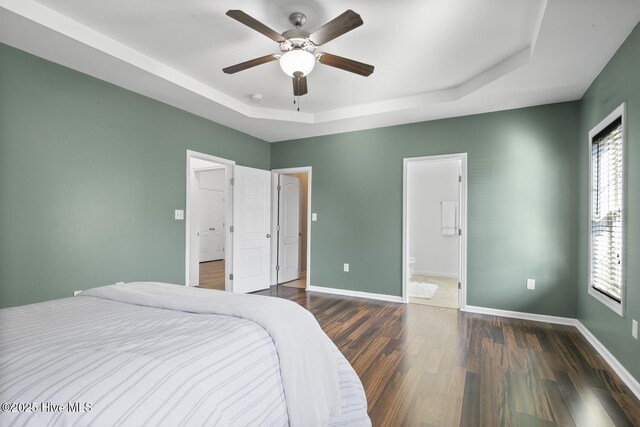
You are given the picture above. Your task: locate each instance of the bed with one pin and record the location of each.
(159, 354)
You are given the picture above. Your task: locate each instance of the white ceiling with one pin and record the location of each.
(433, 58)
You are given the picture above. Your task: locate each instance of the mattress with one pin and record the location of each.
(94, 361)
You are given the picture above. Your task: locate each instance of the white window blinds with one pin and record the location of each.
(606, 211)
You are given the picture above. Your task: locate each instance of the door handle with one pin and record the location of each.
(212, 229)
(268, 235)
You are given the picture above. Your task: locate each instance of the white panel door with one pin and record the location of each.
(251, 223)
(289, 229)
(211, 224)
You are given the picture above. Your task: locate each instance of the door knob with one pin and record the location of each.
(268, 236)
(212, 229)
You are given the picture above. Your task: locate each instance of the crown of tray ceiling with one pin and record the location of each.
(434, 59)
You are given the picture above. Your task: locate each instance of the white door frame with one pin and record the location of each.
(274, 219)
(189, 226)
(463, 222)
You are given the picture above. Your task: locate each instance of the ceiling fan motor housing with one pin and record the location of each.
(297, 38)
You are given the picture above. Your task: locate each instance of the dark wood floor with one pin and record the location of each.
(430, 366)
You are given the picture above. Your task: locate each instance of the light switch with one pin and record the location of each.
(179, 214)
(346, 267)
(314, 216)
(531, 284)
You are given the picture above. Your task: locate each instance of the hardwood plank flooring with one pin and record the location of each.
(212, 275)
(430, 366)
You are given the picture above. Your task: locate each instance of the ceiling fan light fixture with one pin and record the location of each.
(297, 61)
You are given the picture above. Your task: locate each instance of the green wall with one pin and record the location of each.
(90, 174)
(522, 197)
(619, 82)
(89, 177)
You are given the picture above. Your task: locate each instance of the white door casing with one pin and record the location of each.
(308, 170)
(211, 224)
(462, 212)
(252, 229)
(192, 253)
(289, 229)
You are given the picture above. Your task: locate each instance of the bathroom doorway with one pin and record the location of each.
(434, 230)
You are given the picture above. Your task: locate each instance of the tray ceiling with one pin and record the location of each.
(433, 59)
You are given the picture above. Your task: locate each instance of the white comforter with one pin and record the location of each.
(152, 354)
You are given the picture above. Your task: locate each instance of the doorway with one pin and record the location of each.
(434, 231)
(210, 204)
(291, 226)
(208, 246)
(246, 226)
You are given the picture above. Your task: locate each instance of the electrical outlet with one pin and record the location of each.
(634, 328)
(119, 283)
(346, 268)
(76, 293)
(531, 284)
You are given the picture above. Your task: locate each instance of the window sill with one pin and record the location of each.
(617, 307)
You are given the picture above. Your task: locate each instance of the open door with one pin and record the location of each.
(211, 224)
(251, 229)
(288, 268)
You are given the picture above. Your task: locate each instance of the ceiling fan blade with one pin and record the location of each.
(253, 23)
(335, 28)
(250, 63)
(346, 64)
(300, 86)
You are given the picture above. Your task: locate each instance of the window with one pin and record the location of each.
(606, 226)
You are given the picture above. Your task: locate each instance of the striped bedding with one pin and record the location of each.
(93, 361)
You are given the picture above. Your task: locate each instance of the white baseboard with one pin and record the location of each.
(358, 294)
(520, 315)
(614, 363)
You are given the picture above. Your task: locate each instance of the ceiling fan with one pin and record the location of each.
(298, 47)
